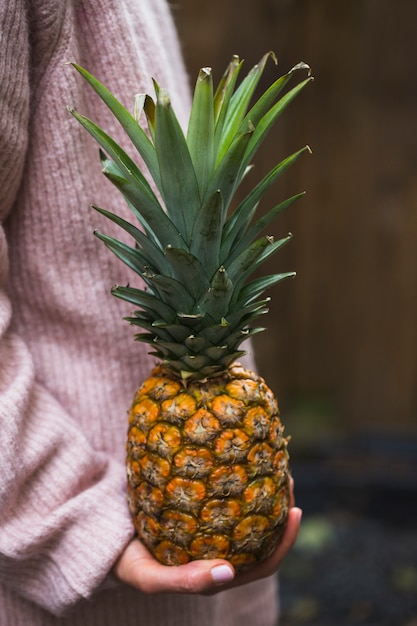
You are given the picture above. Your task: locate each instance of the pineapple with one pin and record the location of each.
(207, 461)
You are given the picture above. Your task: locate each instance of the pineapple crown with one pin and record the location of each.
(194, 253)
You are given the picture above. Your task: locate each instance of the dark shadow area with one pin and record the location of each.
(356, 558)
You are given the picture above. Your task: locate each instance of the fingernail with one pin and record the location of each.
(222, 574)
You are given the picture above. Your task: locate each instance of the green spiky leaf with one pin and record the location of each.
(136, 134)
(239, 103)
(201, 130)
(193, 248)
(178, 179)
(207, 233)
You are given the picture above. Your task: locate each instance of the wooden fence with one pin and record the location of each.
(346, 329)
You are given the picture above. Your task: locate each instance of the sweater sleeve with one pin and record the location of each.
(63, 515)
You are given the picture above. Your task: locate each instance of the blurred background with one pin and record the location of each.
(341, 346)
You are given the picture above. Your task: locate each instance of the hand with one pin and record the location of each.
(138, 568)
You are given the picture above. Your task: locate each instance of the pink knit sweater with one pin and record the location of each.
(68, 363)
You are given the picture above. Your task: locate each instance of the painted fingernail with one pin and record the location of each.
(222, 574)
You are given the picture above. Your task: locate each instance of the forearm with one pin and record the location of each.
(63, 517)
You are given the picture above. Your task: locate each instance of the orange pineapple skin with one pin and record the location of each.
(208, 469)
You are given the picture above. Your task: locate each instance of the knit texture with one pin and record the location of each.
(68, 364)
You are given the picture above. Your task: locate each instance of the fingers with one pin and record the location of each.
(289, 537)
(138, 568)
(292, 497)
(194, 577)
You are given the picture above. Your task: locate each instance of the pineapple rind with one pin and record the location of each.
(209, 461)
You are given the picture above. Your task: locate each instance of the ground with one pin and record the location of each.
(356, 559)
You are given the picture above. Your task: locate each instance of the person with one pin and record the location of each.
(68, 364)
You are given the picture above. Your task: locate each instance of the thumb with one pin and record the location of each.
(138, 568)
